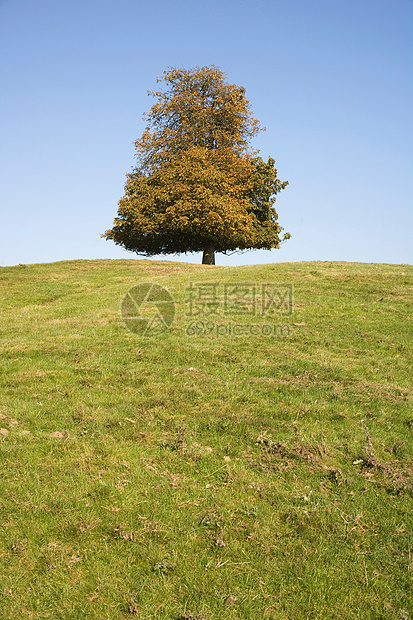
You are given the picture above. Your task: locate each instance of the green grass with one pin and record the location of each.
(204, 477)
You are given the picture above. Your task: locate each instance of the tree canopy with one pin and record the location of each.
(197, 185)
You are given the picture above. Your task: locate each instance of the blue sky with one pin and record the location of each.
(332, 82)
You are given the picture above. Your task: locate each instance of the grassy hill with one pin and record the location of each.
(200, 473)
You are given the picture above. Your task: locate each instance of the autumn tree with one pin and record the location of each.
(197, 185)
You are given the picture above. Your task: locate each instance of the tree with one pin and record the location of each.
(197, 185)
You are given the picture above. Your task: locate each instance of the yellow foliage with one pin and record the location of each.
(197, 184)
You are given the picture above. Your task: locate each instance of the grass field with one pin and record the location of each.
(199, 474)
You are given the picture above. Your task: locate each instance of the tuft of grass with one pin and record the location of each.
(200, 477)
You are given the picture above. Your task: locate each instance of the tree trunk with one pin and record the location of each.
(208, 257)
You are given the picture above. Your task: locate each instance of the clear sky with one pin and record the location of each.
(331, 80)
